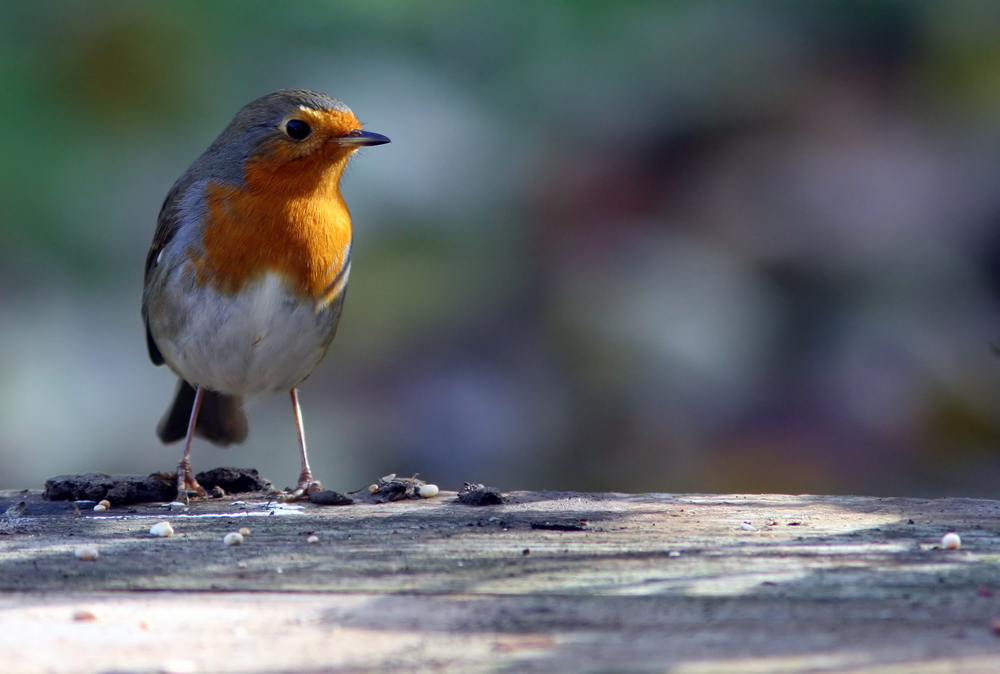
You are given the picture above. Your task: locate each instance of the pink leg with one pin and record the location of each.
(185, 476)
(306, 481)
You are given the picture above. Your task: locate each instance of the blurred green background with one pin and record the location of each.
(631, 246)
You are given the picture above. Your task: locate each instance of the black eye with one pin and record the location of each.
(297, 129)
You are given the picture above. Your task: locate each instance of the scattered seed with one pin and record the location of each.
(84, 615)
(428, 491)
(233, 538)
(312, 540)
(244, 531)
(162, 529)
(87, 553)
(372, 488)
(105, 502)
(951, 541)
(99, 508)
(746, 526)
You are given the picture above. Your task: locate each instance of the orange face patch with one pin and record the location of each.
(326, 126)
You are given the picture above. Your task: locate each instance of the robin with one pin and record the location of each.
(246, 275)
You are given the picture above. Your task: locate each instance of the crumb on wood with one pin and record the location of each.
(390, 488)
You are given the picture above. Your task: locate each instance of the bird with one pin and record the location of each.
(247, 272)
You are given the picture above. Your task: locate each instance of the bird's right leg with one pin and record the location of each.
(186, 483)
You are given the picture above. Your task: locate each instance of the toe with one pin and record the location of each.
(300, 492)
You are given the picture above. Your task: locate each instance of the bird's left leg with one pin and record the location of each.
(306, 482)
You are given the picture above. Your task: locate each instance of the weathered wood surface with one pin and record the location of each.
(649, 583)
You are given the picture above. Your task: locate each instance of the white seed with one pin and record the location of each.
(106, 503)
(161, 529)
(428, 491)
(87, 553)
(312, 540)
(99, 508)
(372, 488)
(951, 541)
(244, 531)
(178, 667)
(233, 538)
(746, 526)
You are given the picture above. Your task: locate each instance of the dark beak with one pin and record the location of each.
(363, 138)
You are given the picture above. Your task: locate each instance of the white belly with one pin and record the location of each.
(263, 340)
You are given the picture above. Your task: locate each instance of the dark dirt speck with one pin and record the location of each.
(479, 495)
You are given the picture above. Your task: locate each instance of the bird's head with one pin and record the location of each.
(290, 135)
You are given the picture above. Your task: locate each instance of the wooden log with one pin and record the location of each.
(554, 582)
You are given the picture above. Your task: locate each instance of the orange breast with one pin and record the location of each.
(289, 218)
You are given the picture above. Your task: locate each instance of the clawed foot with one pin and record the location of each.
(304, 488)
(187, 486)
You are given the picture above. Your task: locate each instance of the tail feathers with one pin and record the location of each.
(221, 419)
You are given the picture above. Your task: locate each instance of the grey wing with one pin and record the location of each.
(166, 228)
(334, 295)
